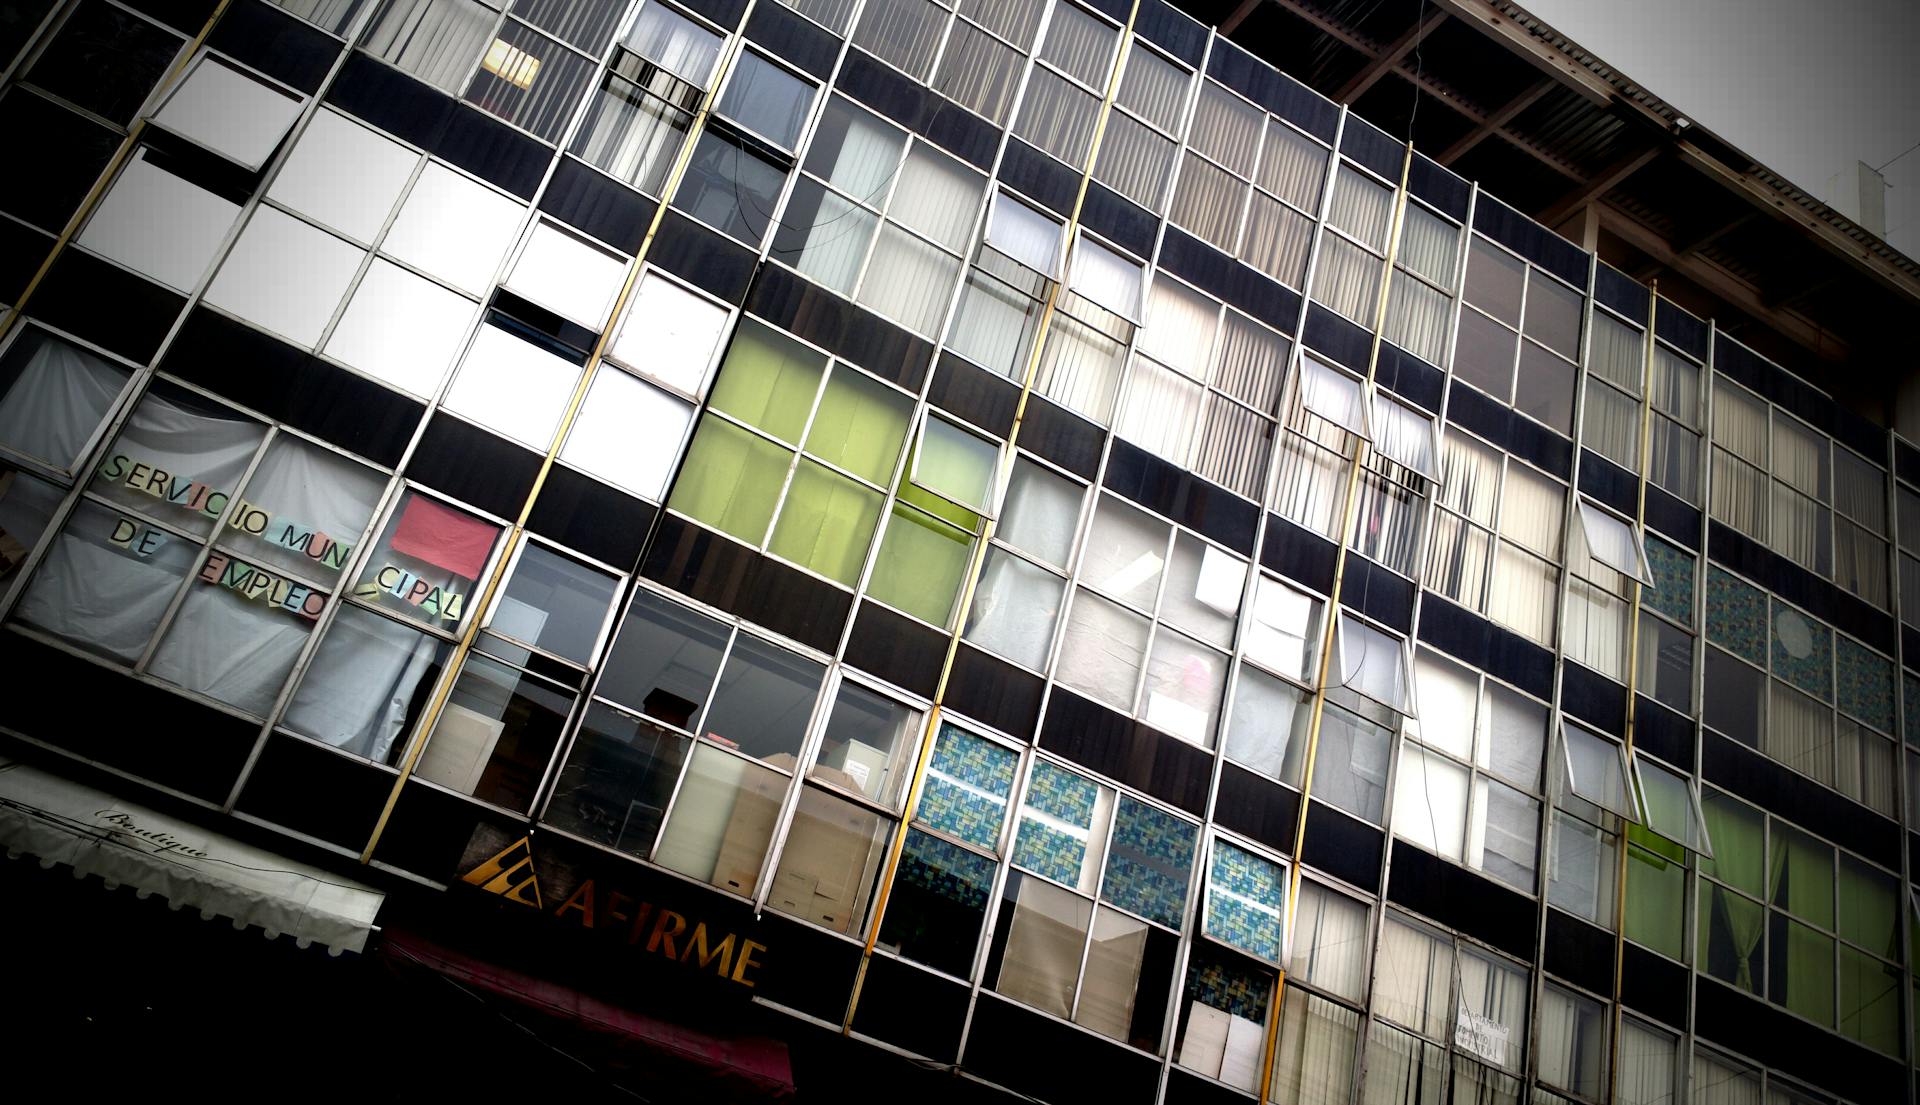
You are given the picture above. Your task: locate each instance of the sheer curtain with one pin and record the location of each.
(1799, 732)
(1080, 366)
(1134, 160)
(1403, 1069)
(1739, 423)
(1348, 279)
(1161, 410)
(1617, 354)
(1058, 117)
(59, 396)
(1362, 208)
(1312, 475)
(437, 41)
(675, 43)
(1105, 277)
(1417, 317)
(1179, 327)
(1277, 240)
(1313, 1060)
(1233, 447)
(1647, 1062)
(1014, 609)
(1292, 166)
(1429, 245)
(1251, 363)
(1080, 44)
(1208, 201)
(978, 72)
(1720, 1083)
(334, 15)
(1025, 235)
(909, 280)
(633, 135)
(904, 32)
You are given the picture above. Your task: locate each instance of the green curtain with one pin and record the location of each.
(769, 381)
(1870, 1001)
(731, 479)
(1868, 915)
(922, 560)
(955, 463)
(827, 523)
(1800, 877)
(860, 426)
(1730, 930)
(1801, 970)
(1656, 892)
(1739, 835)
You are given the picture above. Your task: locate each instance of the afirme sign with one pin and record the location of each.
(602, 907)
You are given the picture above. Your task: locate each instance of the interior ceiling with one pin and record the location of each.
(1493, 94)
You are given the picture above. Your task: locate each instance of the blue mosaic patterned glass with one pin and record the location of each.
(1737, 616)
(1068, 799)
(1672, 590)
(1802, 651)
(944, 868)
(1148, 862)
(968, 783)
(1061, 794)
(1045, 850)
(1245, 895)
(1864, 683)
(1231, 988)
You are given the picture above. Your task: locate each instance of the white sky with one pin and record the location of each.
(1807, 87)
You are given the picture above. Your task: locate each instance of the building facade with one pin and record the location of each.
(1016, 536)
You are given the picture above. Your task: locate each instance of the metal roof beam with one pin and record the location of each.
(1497, 121)
(1487, 15)
(1384, 62)
(1597, 185)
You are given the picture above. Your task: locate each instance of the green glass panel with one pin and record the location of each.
(860, 425)
(1800, 969)
(1800, 876)
(1731, 930)
(827, 523)
(922, 560)
(955, 463)
(1868, 914)
(1739, 835)
(769, 380)
(1656, 893)
(731, 479)
(1870, 1001)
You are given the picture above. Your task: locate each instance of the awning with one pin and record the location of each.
(725, 1069)
(123, 842)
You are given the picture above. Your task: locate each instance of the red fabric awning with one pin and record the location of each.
(750, 1068)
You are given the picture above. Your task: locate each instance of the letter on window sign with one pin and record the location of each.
(215, 570)
(137, 474)
(249, 518)
(123, 532)
(216, 502)
(115, 469)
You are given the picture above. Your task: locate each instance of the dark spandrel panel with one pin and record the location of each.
(1683, 331)
(1168, 28)
(125, 738)
(1673, 517)
(781, 30)
(1301, 556)
(1117, 9)
(276, 43)
(1860, 434)
(1191, 1089)
(1214, 272)
(577, 340)
(1663, 732)
(69, 151)
(199, 165)
(1738, 363)
(994, 692)
(685, 248)
(1608, 483)
(584, 514)
(474, 466)
(106, 60)
(1370, 146)
(76, 289)
(1258, 807)
(1622, 293)
(1531, 240)
(1469, 409)
(1452, 630)
(724, 573)
(1519, 661)
(22, 249)
(1120, 748)
(1062, 437)
(1038, 177)
(1343, 342)
(1047, 1059)
(1119, 220)
(1906, 461)
(850, 332)
(897, 649)
(911, 1008)
(1182, 496)
(1577, 951)
(260, 371)
(985, 399)
(1409, 377)
(1654, 985)
(1910, 648)
(1797, 585)
(597, 204)
(185, 16)
(1378, 593)
(494, 151)
(969, 137)
(883, 89)
(1460, 899)
(1449, 194)
(1776, 787)
(316, 791)
(1749, 1026)
(1343, 846)
(391, 100)
(1282, 95)
(726, 13)
(429, 830)
(1547, 450)
(1803, 399)
(813, 971)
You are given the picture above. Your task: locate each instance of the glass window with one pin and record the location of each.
(401, 328)
(628, 433)
(514, 385)
(1573, 1042)
(229, 111)
(437, 41)
(567, 274)
(343, 175)
(670, 334)
(367, 685)
(830, 864)
(454, 228)
(286, 275)
(530, 80)
(159, 223)
(426, 562)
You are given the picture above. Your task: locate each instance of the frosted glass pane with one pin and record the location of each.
(670, 334)
(286, 275)
(513, 387)
(230, 112)
(571, 276)
(454, 228)
(157, 223)
(401, 328)
(343, 175)
(628, 433)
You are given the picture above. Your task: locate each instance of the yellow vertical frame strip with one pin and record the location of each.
(1329, 631)
(437, 704)
(99, 190)
(977, 558)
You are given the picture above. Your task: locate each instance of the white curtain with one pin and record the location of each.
(1267, 716)
(363, 678)
(1521, 595)
(909, 280)
(1739, 494)
(1208, 201)
(1448, 696)
(1412, 978)
(937, 197)
(1251, 363)
(903, 32)
(1283, 633)
(1676, 387)
(1573, 1050)
(1333, 395)
(1105, 277)
(1386, 521)
(979, 72)
(1161, 410)
(1404, 436)
(1611, 425)
(1329, 941)
(1179, 327)
(1403, 1070)
(1469, 478)
(1233, 447)
(59, 396)
(1080, 367)
(1040, 514)
(632, 134)
(1058, 117)
(1014, 20)
(994, 324)
(1103, 650)
(1430, 802)
(675, 43)
(1080, 44)
(1613, 542)
(1457, 564)
(1025, 235)
(1154, 88)
(1417, 318)
(1362, 208)
(1800, 458)
(1373, 664)
(1617, 354)
(1134, 160)
(1531, 510)
(1799, 733)
(189, 443)
(334, 15)
(104, 597)
(437, 41)
(1740, 423)
(1014, 609)
(1226, 129)
(856, 153)
(1493, 993)
(1801, 530)
(1721, 1083)
(1311, 480)
(1313, 1060)
(1348, 279)
(1429, 245)
(831, 14)
(836, 237)
(1277, 240)
(1293, 167)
